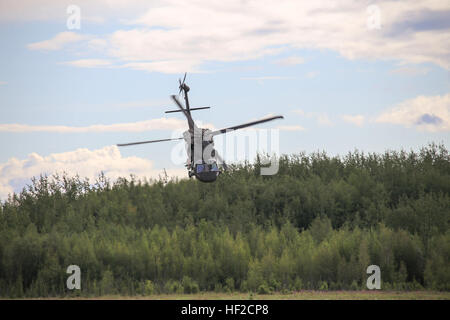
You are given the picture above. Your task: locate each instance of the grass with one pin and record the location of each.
(301, 295)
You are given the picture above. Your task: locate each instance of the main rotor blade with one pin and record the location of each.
(245, 125)
(184, 77)
(188, 117)
(142, 142)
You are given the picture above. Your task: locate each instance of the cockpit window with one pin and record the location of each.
(200, 168)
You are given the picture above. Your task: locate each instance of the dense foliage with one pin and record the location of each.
(317, 224)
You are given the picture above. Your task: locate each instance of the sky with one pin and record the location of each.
(77, 77)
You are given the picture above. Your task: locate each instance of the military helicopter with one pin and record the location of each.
(202, 157)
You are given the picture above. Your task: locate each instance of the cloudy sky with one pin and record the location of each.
(79, 76)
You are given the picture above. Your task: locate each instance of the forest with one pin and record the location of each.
(315, 225)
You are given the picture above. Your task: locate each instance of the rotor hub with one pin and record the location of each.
(185, 87)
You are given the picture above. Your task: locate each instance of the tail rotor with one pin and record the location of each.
(182, 85)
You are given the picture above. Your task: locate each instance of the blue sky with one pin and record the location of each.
(359, 75)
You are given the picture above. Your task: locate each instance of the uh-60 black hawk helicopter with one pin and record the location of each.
(202, 157)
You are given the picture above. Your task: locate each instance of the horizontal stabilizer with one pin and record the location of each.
(191, 109)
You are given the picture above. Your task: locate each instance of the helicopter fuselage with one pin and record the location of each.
(202, 158)
(201, 162)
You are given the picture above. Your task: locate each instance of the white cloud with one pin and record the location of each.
(58, 41)
(5, 190)
(357, 120)
(226, 31)
(170, 66)
(321, 118)
(175, 34)
(290, 61)
(429, 113)
(89, 63)
(96, 11)
(410, 71)
(97, 44)
(15, 173)
(139, 126)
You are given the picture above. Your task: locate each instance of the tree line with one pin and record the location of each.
(317, 224)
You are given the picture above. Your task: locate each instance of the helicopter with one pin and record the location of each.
(202, 157)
